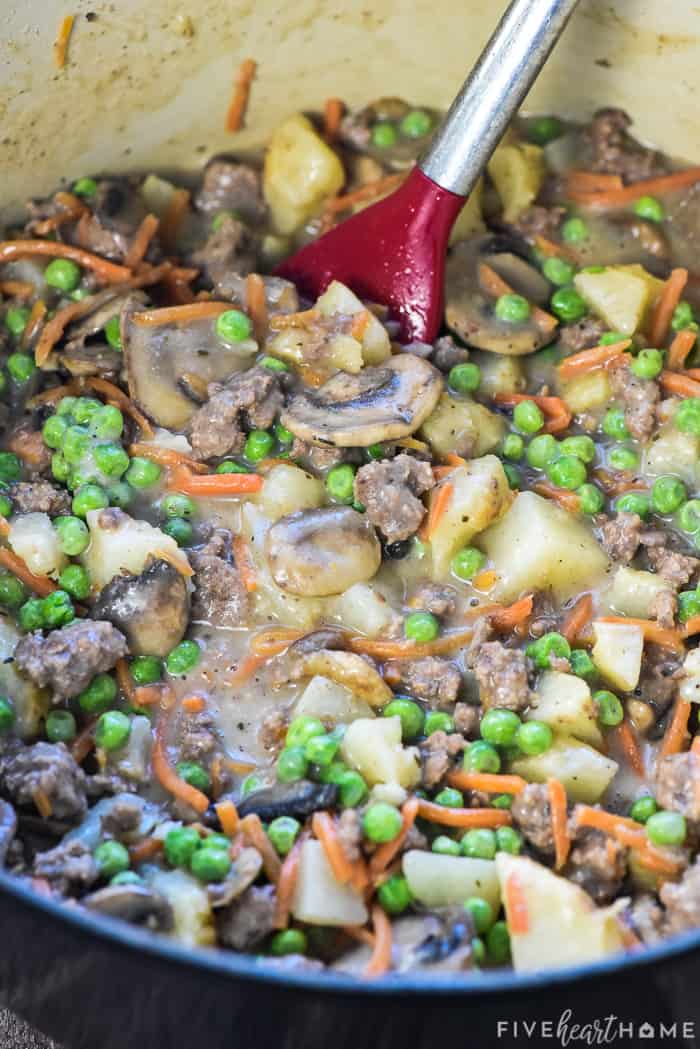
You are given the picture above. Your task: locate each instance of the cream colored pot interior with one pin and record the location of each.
(148, 81)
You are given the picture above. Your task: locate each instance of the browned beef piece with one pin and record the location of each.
(502, 676)
(647, 919)
(122, 818)
(532, 816)
(437, 756)
(220, 598)
(678, 784)
(538, 221)
(437, 598)
(620, 536)
(466, 718)
(389, 490)
(664, 608)
(40, 497)
(197, 739)
(349, 829)
(615, 152)
(435, 680)
(659, 680)
(69, 868)
(249, 400)
(682, 901)
(230, 185)
(229, 249)
(28, 445)
(581, 334)
(273, 730)
(640, 398)
(68, 659)
(116, 212)
(598, 864)
(317, 457)
(48, 768)
(248, 920)
(446, 353)
(678, 568)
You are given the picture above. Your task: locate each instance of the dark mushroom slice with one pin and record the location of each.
(299, 799)
(378, 404)
(132, 903)
(439, 943)
(357, 128)
(315, 553)
(97, 358)
(157, 356)
(469, 313)
(243, 873)
(151, 609)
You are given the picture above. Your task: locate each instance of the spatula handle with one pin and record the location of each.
(493, 92)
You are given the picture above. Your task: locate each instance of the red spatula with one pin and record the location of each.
(394, 251)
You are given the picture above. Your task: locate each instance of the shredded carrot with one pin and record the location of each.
(145, 850)
(512, 616)
(84, 741)
(255, 833)
(679, 384)
(360, 322)
(72, 208)
(630, 834)
(677, 729)
(608, 822)
(485, 581)
(554, 408)
(325, 830)
(590, 181)
(380, 961)
(450, 817)
(578, 617)
(651, 630)
(660, 863)
(359, 933)
(40, 584)
(274, 640)
(42, 802)
(591, 360)
(488, 782)
(167, 776)
(17, 289)
(228, 817)
(383, 856)
(191, 311)
(141, 241)
(679, 349)
(516, 906)
(193, 704)
(409, 649)
(181, 480)
(241, 93)
(244, 563)
(569, 501)
(167, 457)
(36, 316)
(369, 191)
(125, 680)
(493, 284)
(60, 47)
(662, 313)
(108, 271)
(177, 560)
(150, 695)
(620, 197)
(691, 627)
(246, 668)
(695, 745)
(112, 393)
(4, 527)
(257, 304)
(280, 321)
(53, 394)
(332, 115)
(629, 745)
(551, 248)
(437, 508)
(174, 216)
(286, 885)
(557, 804)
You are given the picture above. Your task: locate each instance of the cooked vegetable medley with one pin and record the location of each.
(341, 652)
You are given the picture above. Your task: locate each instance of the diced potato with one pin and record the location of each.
(517, 170)
(618, 295)
(689, 688)
(480, 494)
(194, 920)
(617, 653)
(563, 925)
(343, 353)
(673, 452)
(156, 193)
(33, 538)
(329, 701)
(288, 488)
(318, 898)
(437, 881)
(338, 299)
(564, 702)
(119, 543)
(300, 172)
(499, 373)
(538, 546)
(373, 747)
(586, 392)
(462, 426)
(30, 703)
(632, 592)
(470, 219)
(585, 773)
(362, 607)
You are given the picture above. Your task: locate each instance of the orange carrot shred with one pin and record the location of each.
(4, 527)
(552, 248)
(17, 289)
(380, 961)
(140, 241)
(436, 511)
(662, 313)
(145, 850)
(191, 311)
(360, 322)
(228, 817)
(679, 349)
(409, 650)
(241, 93)
(325, 830)
(591, 360)
(628, 743)
(244, 563)
(449, 817)
(578, 617)
(286, 885)
(193, 704)
(488, 782)
(516, 906)
(168, 457)
(695, 745)
(677, 729)
(557, 804)
(40, 584)
(280, 321)
(692, 626)
(108, 271)
(512, 616)
(246, 668)
(60, 47)
(183, 481)
(332, 115)
(166, 775)
(485, 581)
(274, 640)
(84, 741)
(36, 316)
(383, 856)
(667, 638)
(556, 410)
(620, 197)
(494, 285)
(149, 695)
(255, 833)
(174, 216)
(679, 384)
(591, 181)
(257, 305)
(125, 680)
(569, 501)
(359, 933)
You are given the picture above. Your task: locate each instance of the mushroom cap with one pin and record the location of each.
(132, 903)
(299, 799)
(151, 609)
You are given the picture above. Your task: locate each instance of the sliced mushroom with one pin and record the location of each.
(97, 358)
(243, 873)
(151, 609)
(299, 799)
(347, 669)
(157, 356)
(470, 313)
(132, 903)
(107, 304)
(439, 942)
(378, 404)
(315, 553)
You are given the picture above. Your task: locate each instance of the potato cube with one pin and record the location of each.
(617, 653)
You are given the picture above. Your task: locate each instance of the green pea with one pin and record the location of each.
(176, 505)
(558, 271)
(580, 446)
(689, 516)
(321, 750)
(289, 941)
(231, 467)
(541, 450)
(302, 729)
(445, 846)
(416, 124)
(283, 435)
(438, 721)
(633, 503)
(687, 417)
(649, 208)
(512, 308)
(375, 451)
(210, 865)
(107, 424)
(591, 498)
(667, 494)
(465, 378)
(180, 530)
(609, 338)
(481, 756)
(534, 737)
(581, 663)
(481, 912)
(421, 627)
(467, 562)
(353, 789)
(142, 473)
(112, 730)
(502, 801)
(394, 894)
(76, 443)
(528, 417)
(542, 130)
(498, 943)
(647, 364)
(688, 605)
(411, 715)
(258, 445)
(194, 774)
(233, 326)
(100, 694)
(513, 476)
(111, 858)
(666, 828)
(60, 726)
(62, 274)
(16, 320)
(614, 424)
(450, 798)
(291, 764)
(7, 714)
(126, 878)
(111, 459)
(384, 135)
(89, 497)
(5, 506)
(31, 614)
(622, 458)
(499, 727)
(610, 709)
(21, 367)
(12, 592)
(479, 844)
(146, 670)
(120, 494)
(180, 845)
(75, 580)
(283, 832)
(73, 535)
(568, 305)
(643, 808)
(683, 317)
(53, 431)
(183, 658)
(340, 483)
(58, 609)
(381, 822)
(85, 187)
(85, 409)
(514, 447)
(551, 644)
(508, 840)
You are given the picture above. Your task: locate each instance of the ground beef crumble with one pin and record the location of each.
(389, 490)
(502, 676)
